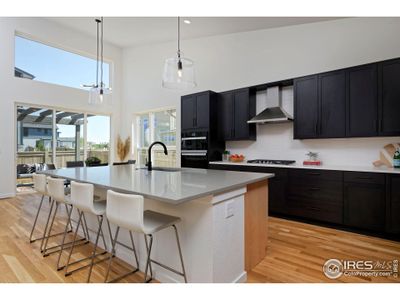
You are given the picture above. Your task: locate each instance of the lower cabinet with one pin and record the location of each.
(277, 191)
(364, 200)
(369, 202)
(393, 204)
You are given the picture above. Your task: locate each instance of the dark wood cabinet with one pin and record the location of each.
(306, 107)
(196, 110)
(393, 204)
(362, 101)
(235, 109)
(315, 195)
(225, 118)
(332, 93)
(320, 106)
(364, 201)
(188, 111)
(389, 98)
(358, 201)
(277, 191)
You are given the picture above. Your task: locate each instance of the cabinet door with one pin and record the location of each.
(332, 121)
(306, 107)
(394, 204)
(389, 75)
(188, 110)
(362, 101)
(225, 111)
(277, 186)
(241, 114)
(202, 117)
(364, 206)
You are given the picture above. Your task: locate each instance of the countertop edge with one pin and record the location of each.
(322, 167)
(169, 200)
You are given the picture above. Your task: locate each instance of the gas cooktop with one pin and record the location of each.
(271, 161)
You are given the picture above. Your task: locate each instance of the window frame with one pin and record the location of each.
(136, 131)
(66, 49)
(54, 137)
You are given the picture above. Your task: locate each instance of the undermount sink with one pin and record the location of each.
(162, 169)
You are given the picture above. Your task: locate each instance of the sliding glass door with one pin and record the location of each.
(47, 136)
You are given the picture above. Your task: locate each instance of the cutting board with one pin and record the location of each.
(386, 155)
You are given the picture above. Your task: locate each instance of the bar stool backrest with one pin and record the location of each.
(125, 210)
(40, 183)
(55, 188)
(82, 196)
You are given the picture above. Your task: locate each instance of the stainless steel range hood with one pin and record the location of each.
(274, 114)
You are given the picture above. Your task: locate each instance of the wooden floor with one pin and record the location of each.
(296, 251)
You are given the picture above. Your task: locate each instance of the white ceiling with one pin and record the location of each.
(134, 31)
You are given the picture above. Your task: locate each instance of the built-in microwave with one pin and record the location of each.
(194, 141)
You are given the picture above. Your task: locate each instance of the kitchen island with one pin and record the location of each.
(224, 217)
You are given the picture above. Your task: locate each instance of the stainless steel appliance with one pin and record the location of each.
(271, 161)
(194, 149)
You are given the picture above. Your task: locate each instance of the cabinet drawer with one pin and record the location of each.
(316, 209)
(315, 174)
(322, 191)
(363, 177)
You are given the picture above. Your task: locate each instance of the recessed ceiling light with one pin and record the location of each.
(186, 21)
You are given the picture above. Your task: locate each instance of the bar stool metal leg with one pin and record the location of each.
(68, 264)
(148, 263)
(63, 240)
(95, 247)
(47, 224)
(147, 249)
(51, 227)
(34, 223)
(180, 253)
(114, 241)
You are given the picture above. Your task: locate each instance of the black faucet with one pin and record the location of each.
(149, 166)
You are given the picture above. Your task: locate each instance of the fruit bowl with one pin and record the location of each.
(236, 158)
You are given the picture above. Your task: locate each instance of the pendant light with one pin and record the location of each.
(178, 71)
(99, 92)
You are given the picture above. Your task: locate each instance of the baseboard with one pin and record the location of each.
(9, 195)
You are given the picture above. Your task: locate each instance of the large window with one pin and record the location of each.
(50, 136)
(37, 61)
(156, 126)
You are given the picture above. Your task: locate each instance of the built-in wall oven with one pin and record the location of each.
(194, 150)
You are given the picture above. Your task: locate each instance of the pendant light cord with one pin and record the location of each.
(97, 52)
(102, 59)
(179, 38)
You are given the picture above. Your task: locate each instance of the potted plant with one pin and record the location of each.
(92, 161)
(225, 155)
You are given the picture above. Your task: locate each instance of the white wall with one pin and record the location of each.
(244, 59)
(38, 93)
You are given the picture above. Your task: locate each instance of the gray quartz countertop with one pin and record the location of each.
(371, 168)
(171, 187)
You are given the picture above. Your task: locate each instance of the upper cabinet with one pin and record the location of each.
(235, 108)
(306, 107)
(196, 110)
(362, 105)
(362, 101)
(320, 106)
(389, 97)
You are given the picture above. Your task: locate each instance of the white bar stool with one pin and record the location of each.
(127, 211)
(83, 198)
(57, 192)
(40, 186)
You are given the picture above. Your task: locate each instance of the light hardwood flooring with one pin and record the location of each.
(296, 251)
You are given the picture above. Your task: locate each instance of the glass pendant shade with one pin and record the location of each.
(178, 73)
(98, 96)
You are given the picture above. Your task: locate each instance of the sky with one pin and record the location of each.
(53, 65)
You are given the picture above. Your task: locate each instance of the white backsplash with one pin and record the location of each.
(275, 141)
